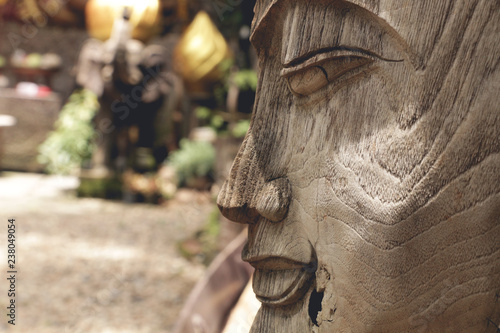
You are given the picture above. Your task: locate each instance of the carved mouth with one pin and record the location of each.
(281, 287)
(274, 262)
(279, 280)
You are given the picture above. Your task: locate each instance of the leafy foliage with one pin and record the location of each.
(72, 140)
(246, 79)
(220, 89)
(241, 128)
(210, 118)
(210, 235)
(193, 159)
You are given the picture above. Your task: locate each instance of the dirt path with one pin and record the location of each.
(89, 265)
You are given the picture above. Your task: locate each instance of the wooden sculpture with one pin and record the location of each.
(370, 176)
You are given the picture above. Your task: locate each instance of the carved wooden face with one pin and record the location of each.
(370, 176)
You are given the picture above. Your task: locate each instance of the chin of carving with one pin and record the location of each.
(291, 318)
(378, 123)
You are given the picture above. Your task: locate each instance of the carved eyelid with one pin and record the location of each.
(311, 72)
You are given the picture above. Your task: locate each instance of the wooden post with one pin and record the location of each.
(370, 176)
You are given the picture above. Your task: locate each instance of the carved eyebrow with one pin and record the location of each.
(268, 6)
(266, 9)
(361, 52)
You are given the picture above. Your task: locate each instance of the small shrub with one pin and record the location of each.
(193, 159)
(241, 128)
(71, 142)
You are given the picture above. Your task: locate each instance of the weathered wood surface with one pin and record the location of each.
(209, 304)
(370, 177)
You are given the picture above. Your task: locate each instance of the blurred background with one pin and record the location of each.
(119, 121)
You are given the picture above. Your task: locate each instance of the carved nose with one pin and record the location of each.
(270, 200)
(273, 199)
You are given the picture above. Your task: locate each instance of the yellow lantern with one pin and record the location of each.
(145, 17)
(200, 51)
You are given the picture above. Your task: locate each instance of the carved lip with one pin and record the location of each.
(278, 288)
(275, 262)
(320, 55)
(279, 258)
(279, 280)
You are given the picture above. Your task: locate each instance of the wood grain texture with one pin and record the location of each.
(382, 118)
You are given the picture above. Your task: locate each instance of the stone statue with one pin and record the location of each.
(370, 176)
(132, 82)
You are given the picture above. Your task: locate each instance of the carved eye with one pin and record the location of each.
(314, 74)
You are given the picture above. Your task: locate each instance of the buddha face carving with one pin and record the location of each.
(370, 175)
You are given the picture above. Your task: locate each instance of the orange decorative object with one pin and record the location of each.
(200, 51)
(145, 18)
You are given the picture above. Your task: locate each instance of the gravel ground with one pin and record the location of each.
(90, 265)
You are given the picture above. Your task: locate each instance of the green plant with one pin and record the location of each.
(193, 159)
(210, 118)
(72, 140)
(220, 89)
(210, 235)
(241, 128)
(204, 243)
(110, 188)
(246, 79)
(212, 228)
